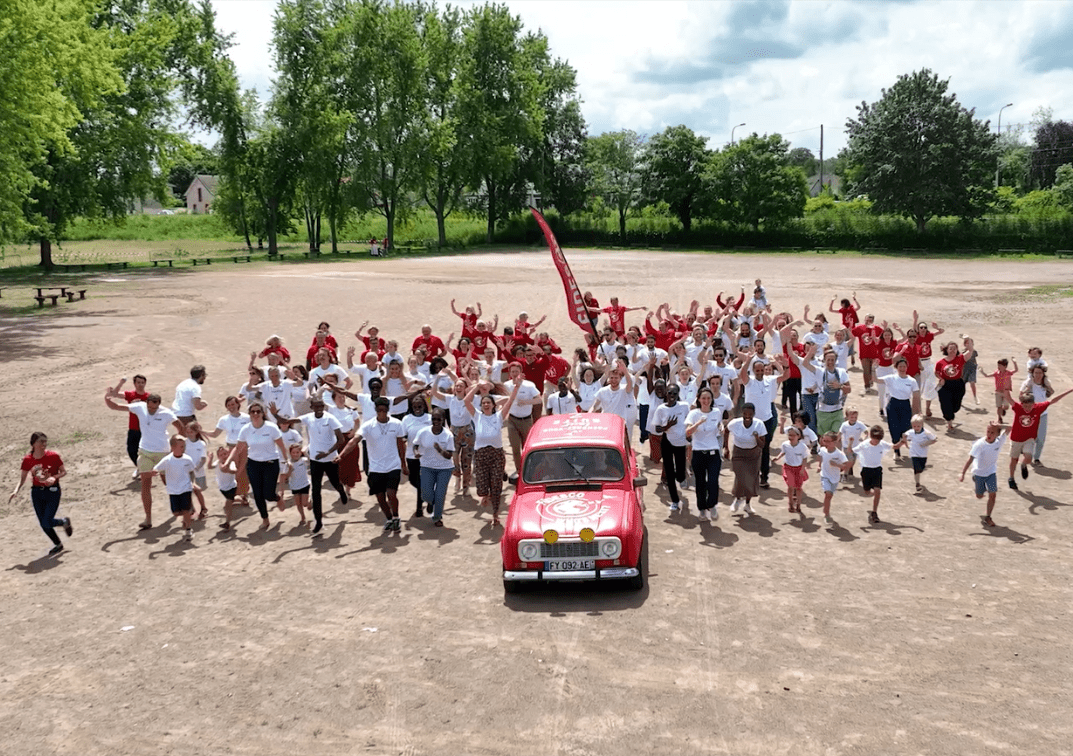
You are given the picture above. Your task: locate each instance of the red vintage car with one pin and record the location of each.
(577, 510)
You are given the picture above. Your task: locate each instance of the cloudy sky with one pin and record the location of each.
(783, 66)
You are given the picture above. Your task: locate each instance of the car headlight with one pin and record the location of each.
(610, 549)
(528, 552)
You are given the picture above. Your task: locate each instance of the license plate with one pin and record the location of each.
(570, 565)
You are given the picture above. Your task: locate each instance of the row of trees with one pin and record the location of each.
(381, 107)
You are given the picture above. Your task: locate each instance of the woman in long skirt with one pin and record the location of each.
(903, 400)
(747, 436)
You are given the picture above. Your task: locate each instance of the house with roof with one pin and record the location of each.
(201, 194)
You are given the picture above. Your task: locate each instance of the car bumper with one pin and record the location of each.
(600, 573)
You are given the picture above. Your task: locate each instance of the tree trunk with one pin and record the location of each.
(622, 223)
(490, 186)
(331, 230)
(441, 226)
(921, 221)
(46, 253)
(389, 214)
(245, 225)
(311, 233)
(273, 207)
(318, 231)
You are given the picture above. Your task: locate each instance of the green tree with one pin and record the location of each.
(446, 162)
(1053, 148)
(803, 158)
(615, 162)
(751, 182)
(124, 139)
(1063, 186)
(500, 99)
(921, 153)
(674, 166)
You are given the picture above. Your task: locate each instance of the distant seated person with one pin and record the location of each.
(374, 248)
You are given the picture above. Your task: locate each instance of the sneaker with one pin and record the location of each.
(55, 549)
(674, 506)
(68, 528)
(749, 509)
(988, 522)
(428, 507)
(735, 506)
(438, 523)
(703, 514)
(1024, 472)
(873, 518)
(419, 512)
(1013, 483)
(898, 453)
(317, 528)
(135, 475)
(398, 524)
(389, 525)
(713, 514)
(827, 520)
(188, 534)
(764, 483)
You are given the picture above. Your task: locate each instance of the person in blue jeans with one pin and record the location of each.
(45, 468)
(434, 447)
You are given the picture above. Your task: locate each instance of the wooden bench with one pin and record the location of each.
(120, 264)
(202, 261)
(157, 262)
(1064, 254)
(68, 266)
(42, 297)
(824, 250)
(277, 256)
(310, 253)
(1011, 251)
(81, 294)
(236, 258)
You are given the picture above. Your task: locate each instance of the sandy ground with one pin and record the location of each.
(763, 635)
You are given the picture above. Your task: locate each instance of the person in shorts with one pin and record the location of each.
(385, 440)
(871, 453)
(177, 472)
(298, 479)
(983, 457)
(226, 481)
(833, 463)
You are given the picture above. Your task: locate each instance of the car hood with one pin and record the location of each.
(607, 512)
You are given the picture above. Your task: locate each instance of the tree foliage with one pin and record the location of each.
(615, 160)
(674, 165)
(1053, 148)
(753, 182)
(920, 153)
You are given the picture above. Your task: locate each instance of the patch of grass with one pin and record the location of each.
(1049, 290)
(79, 436)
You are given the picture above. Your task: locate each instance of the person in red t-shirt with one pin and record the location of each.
(433, 345)
(1024, 429)
(134, 431)
(951, 383)
(867, 335)
(45, 468)
(616, 316)
(469, 318)
(910, 350)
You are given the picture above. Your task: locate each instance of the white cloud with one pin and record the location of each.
(776, 66)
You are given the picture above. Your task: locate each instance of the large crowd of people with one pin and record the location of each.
(737, 382)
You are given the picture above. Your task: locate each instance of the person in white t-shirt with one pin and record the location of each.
(670, 421)
(154, 421)
(489, 461)
(565, 401)
(188, 400)
(833, 464)
(871, 454)
(617, 397)
(704, 429)
(794, 455)
(298, 480)
(984, 460)
(520, 419)
(760, 390)
(434, 448)
(746, 435)
(385, 441)
(918, 439)
(177, 472)
(225, 481)
(366, 371)
(852, 432)
(260, 447)
(326, 438)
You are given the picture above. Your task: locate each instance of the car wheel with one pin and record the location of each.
(512, 586)
(637, 583)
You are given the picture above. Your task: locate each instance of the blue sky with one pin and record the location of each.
(782, 66)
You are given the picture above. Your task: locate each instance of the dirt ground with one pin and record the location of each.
(928, 634)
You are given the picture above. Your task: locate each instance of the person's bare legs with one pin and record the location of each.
(147, 499)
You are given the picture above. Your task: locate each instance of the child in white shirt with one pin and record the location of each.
(298, 479)
(833, 463)
(871, 454)
(794, 456)
(918, 439)
(852, 431)
(226, 481)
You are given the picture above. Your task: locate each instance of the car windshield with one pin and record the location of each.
(584, 463)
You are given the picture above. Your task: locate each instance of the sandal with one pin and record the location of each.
(145, 526)
(203, 514)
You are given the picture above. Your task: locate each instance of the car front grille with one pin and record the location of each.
(568, 550)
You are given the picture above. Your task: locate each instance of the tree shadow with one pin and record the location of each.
(1001, 531)
(23, 336)
(41, 564)
(318, 543)
(757, 524)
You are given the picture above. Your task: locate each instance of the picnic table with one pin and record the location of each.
(41, 296)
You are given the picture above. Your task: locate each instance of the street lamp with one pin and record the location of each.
(998, 167)
(732, 134)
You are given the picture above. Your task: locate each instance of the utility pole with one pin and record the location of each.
(821, 158)
(998, 166)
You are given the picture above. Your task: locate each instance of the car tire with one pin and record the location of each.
(512, 586)
(637, 583)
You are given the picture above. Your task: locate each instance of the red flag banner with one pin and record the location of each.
(575, 303)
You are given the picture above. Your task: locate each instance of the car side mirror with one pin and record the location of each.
(640, 481)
